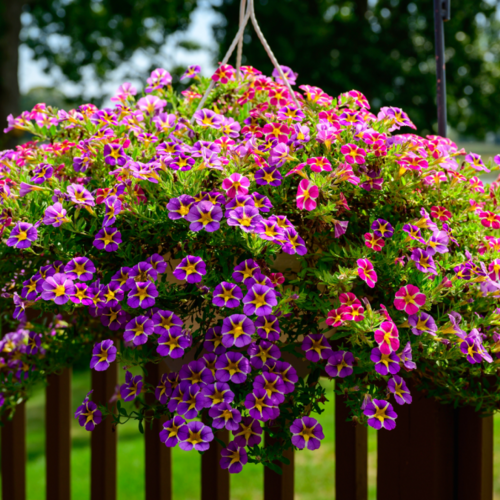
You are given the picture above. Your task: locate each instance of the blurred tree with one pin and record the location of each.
(77, 34)
(385, 49)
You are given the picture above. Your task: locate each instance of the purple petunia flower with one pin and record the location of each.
(422, 323)
(55, 215)
(172, 344)
(157, 262)
(112, 294)
(438, 242)
(340, 364)
(225, 417)
(217, 393)
(237, 330)
(273, 385)
(268, 327)
(195, 373)
(166, 322)
(169, 436)
(108, 238)
(195, 435)
(141, 272)
(80, 268)
(192, 402)
(34, 342)
(58, 288)
(259, 405)
(131, 388)
(245, 270)
(114, 155)
(246, 218)
(316, 347)
(88, 415)
(42, 172)
(306, 431)
(22, 235)
(164, 389)
(262, 352)
(138, 330)
(113, 208)
(398, 387)
(248, 433)
(406, 358)
(382, 228)
(204, 215)
(259, 300)
(32, 287)
(233, 458)
(191, 72)
(423, 261)
(268, 176)
(79, 195)
(103, 354)
(227, 295)
(213, 341)
(232, 366)
(142, 295)
(178, 208)
(206, 118)
(385, 363)
(381, 414)
(191, 269)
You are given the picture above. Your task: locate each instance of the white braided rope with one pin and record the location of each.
(238, 40)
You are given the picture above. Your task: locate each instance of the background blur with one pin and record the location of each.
(65, 51)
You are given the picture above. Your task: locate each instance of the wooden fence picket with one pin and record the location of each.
(58, 435)
(276, 486)
(214, 480)
(103, 439)
(14, 455)
(158, 456)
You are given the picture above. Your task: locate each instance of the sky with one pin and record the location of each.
(31, 74)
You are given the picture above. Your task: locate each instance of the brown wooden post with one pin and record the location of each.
(214, 480)
(14, 455)
(57, 435)
(474, 451)
(158, 456)
(276, 486)
(351, 455)
(103, 439)
(416, 459)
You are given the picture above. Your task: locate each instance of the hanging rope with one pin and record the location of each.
(238, 40)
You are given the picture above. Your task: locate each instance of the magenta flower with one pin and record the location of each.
(232, 367)
(55, 215)
(233, 458)
(204, 215)
(340, 364)
(169, 436)
(195, 435)
(316, 347)
(334, 318)
(103, 354)
(172, 344)
(440, 213)
(319, 164)
(237, 330)
(58, 288)
(80, 268)
(191, 269)
(409, 299)
(88, 415)
(178, 208)
(397, 386)
(381, 414)
(268, 327)
(151, 105)
(385, 363)
(191, 72)
(22, 235)
(158, 79)
(374, 242)
(108, 239)
(249, 433)
(259, 300)
(207, 118)
(306, 195)
(353, 153)
(131, 388)
(224, 74)
(166, 322)
(235, 185)
(291, 113)
(138, 329)
(142, 294)
(366, 272)
(306, 431)
(387, 337)
(227, 295)
(353, 312)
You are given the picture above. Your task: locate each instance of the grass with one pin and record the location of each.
(314, 473)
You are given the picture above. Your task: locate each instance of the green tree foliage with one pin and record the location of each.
(385, 49)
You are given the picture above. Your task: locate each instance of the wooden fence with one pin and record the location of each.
(435, 453)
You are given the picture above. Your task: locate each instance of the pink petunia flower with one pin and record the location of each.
(409, 299)
(366, 272)
(306, 195)
(235, 185)
(387, 337)
(353, 153)
(374, 242)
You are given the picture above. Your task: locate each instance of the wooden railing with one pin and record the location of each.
(435, 453)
